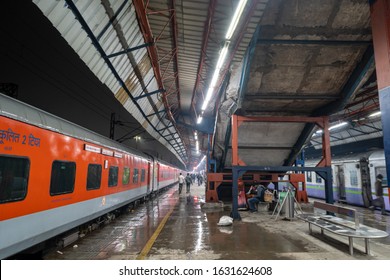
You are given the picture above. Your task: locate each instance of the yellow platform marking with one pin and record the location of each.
(152, 239)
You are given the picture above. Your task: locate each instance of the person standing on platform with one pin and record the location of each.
(188, 182)
(181, 182)
(379, 201)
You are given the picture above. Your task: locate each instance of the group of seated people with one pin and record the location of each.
(257, 192)
(254, 195)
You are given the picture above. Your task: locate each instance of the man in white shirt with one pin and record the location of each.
(181, 182)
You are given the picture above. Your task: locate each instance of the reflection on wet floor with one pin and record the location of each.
(191, 232)
(124, 237)
(194, 233)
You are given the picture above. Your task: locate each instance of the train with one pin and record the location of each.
(353, 178)
(57, 177)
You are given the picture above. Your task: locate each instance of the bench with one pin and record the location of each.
(261, 206)
(341, 226)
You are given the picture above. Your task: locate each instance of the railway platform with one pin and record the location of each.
(177, 227)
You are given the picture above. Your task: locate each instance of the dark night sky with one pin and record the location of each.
(52, 77)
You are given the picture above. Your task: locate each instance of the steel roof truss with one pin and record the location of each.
(130, 49)
(112, 20)
(156, 113)
(148, 94)
(99, 48)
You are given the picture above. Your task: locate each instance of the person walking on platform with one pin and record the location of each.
(200, 179)
(181, 182)
(188, 182)
(379, 201)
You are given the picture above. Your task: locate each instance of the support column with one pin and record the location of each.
(326, 154)
(328, 186)
(234, 140)
(380, 21)
(234, 214)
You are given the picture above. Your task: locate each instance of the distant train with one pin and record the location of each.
(353, 178)
(56, 176)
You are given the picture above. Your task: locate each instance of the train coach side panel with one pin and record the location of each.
(47, 148)
(166, 175)
(40, 211)
(378, 166)
(353, 183)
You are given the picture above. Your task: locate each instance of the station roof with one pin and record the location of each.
(285, 58)
(308, 58)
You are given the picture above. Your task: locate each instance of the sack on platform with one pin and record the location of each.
(268, 196)
(225, 221)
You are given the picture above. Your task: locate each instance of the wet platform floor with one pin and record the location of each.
(173, 226)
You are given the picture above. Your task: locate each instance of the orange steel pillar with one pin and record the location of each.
(326, 155)
(326, 143)
(299, 183)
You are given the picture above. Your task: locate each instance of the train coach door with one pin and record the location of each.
(366, 182)
(150, 177)
(340, 182)
(155, 175)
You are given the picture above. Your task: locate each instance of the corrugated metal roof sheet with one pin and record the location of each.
(180, 53)
(199, 40)
(188, 35)
(114, 25)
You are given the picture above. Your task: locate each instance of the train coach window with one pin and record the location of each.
(309, 177)
(142, 175)
(13, 178)
(135, 176)
(318, 178)
(113, 176)
(126, 176)
(353, 177)
(94, 176)
(63, 175)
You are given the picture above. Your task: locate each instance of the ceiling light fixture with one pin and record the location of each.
(232, 27)
(195, 168)
(375, 114)
(235, 19)
(338, 125)
(214, 80)
(330, 128)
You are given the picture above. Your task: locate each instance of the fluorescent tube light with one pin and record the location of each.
(236, 19)
(338, 125)
(214, 80)
(233, 24)
(207, 99)
(375, 114)
(222, 56)
(330, 128)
